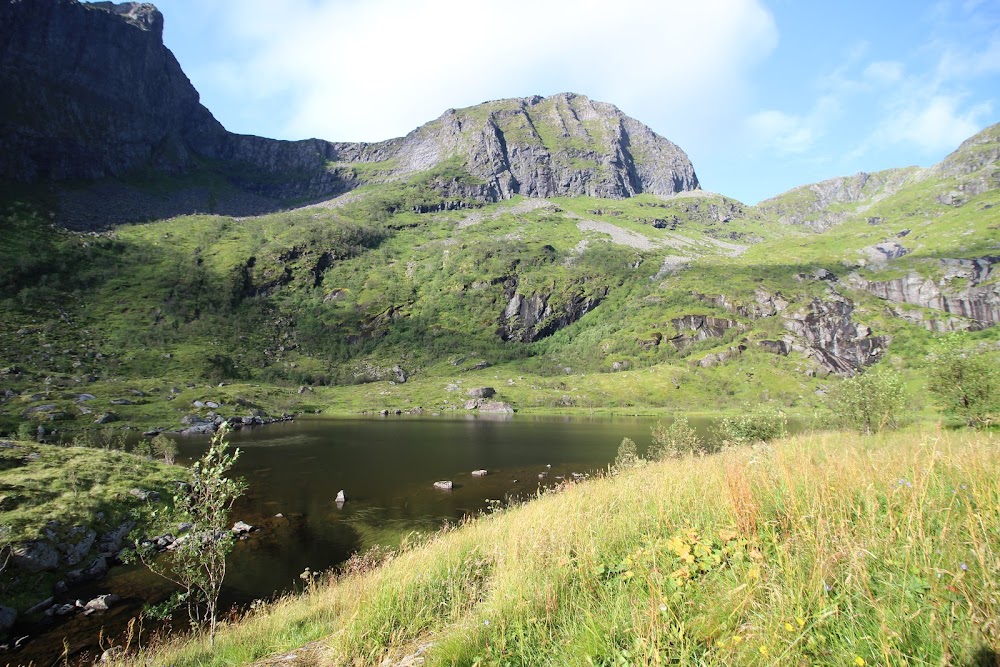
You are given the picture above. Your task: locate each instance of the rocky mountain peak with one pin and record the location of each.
(92, 94)
(142, 15)
(564, 144)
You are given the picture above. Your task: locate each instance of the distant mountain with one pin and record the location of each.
(91, 93)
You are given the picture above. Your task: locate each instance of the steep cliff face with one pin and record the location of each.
(91, 92)
(561, 145)
(967, 288)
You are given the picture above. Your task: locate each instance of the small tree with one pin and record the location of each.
(165, 448)
(197, 565)
(871, 401)
(967, 382)
(628, 456)
(675, 441)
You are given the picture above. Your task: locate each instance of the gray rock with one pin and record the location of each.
(121, 401)
(81, 540)
(444, 485)
(106, 418)
(35, 556)
(242, 528)
(111, 542)
(39, 607)
(967, 288)
(482, 392)
(530, 318)
(145, 495)
(101, 602)
(211, 404)
(480, 473)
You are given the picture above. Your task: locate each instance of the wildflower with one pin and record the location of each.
(963, 487)
(964, 567)
(859, 661)
(486, 622)
(736, 639)
(789, 628)
(763, 650)
(801, 621)
(827, 587)
(663, 607)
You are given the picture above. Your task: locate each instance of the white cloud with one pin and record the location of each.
(791, 134)
(939, 124)
(370, 70)
(884, 72)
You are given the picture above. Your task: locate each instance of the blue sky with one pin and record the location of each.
(763, 95)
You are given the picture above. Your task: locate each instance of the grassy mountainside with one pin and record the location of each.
(819, 549)
(386, 296)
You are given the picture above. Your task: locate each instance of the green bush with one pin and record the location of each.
(628, 456)
(871, 401)
(967, 382)
(675, 441)
(25, 431)
(760, 424)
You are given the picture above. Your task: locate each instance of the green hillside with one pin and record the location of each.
(567, 303)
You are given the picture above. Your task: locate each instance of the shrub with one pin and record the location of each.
(760, 424)
(628, 456)
(25, 431)
(675, 441)
(165, 448)
(871, 401)
(967, 382)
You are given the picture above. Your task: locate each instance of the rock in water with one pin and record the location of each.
(444, 485)
(480, 473)
(341, 498)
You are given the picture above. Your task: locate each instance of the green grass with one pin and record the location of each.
(50, 487)
(818, 549)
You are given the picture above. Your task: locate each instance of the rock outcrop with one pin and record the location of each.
(529, 318)
(833, 338)
(92, 94)
(964, 290)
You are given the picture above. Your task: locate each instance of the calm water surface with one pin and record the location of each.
(387, 468)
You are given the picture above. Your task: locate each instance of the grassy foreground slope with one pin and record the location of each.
(818, 549)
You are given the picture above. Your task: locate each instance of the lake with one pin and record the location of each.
(387, 467)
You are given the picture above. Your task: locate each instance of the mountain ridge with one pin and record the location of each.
(101, 99)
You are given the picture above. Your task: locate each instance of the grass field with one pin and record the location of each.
(827, 548)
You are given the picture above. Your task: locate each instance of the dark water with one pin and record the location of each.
(386, 467)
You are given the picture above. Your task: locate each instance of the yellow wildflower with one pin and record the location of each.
(859, 661)
(789, 628)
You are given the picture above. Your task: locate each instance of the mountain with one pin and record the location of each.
(552, 246)
(93, 95)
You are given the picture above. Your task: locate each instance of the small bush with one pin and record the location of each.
(165, 448)
(760, 424)
(628, 456)
(967, 383)
(675, 441)
(25, 431)
(870, 402)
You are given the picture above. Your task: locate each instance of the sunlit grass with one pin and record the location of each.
(818, 549)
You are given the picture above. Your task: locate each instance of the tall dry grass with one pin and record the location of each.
(819, 549)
